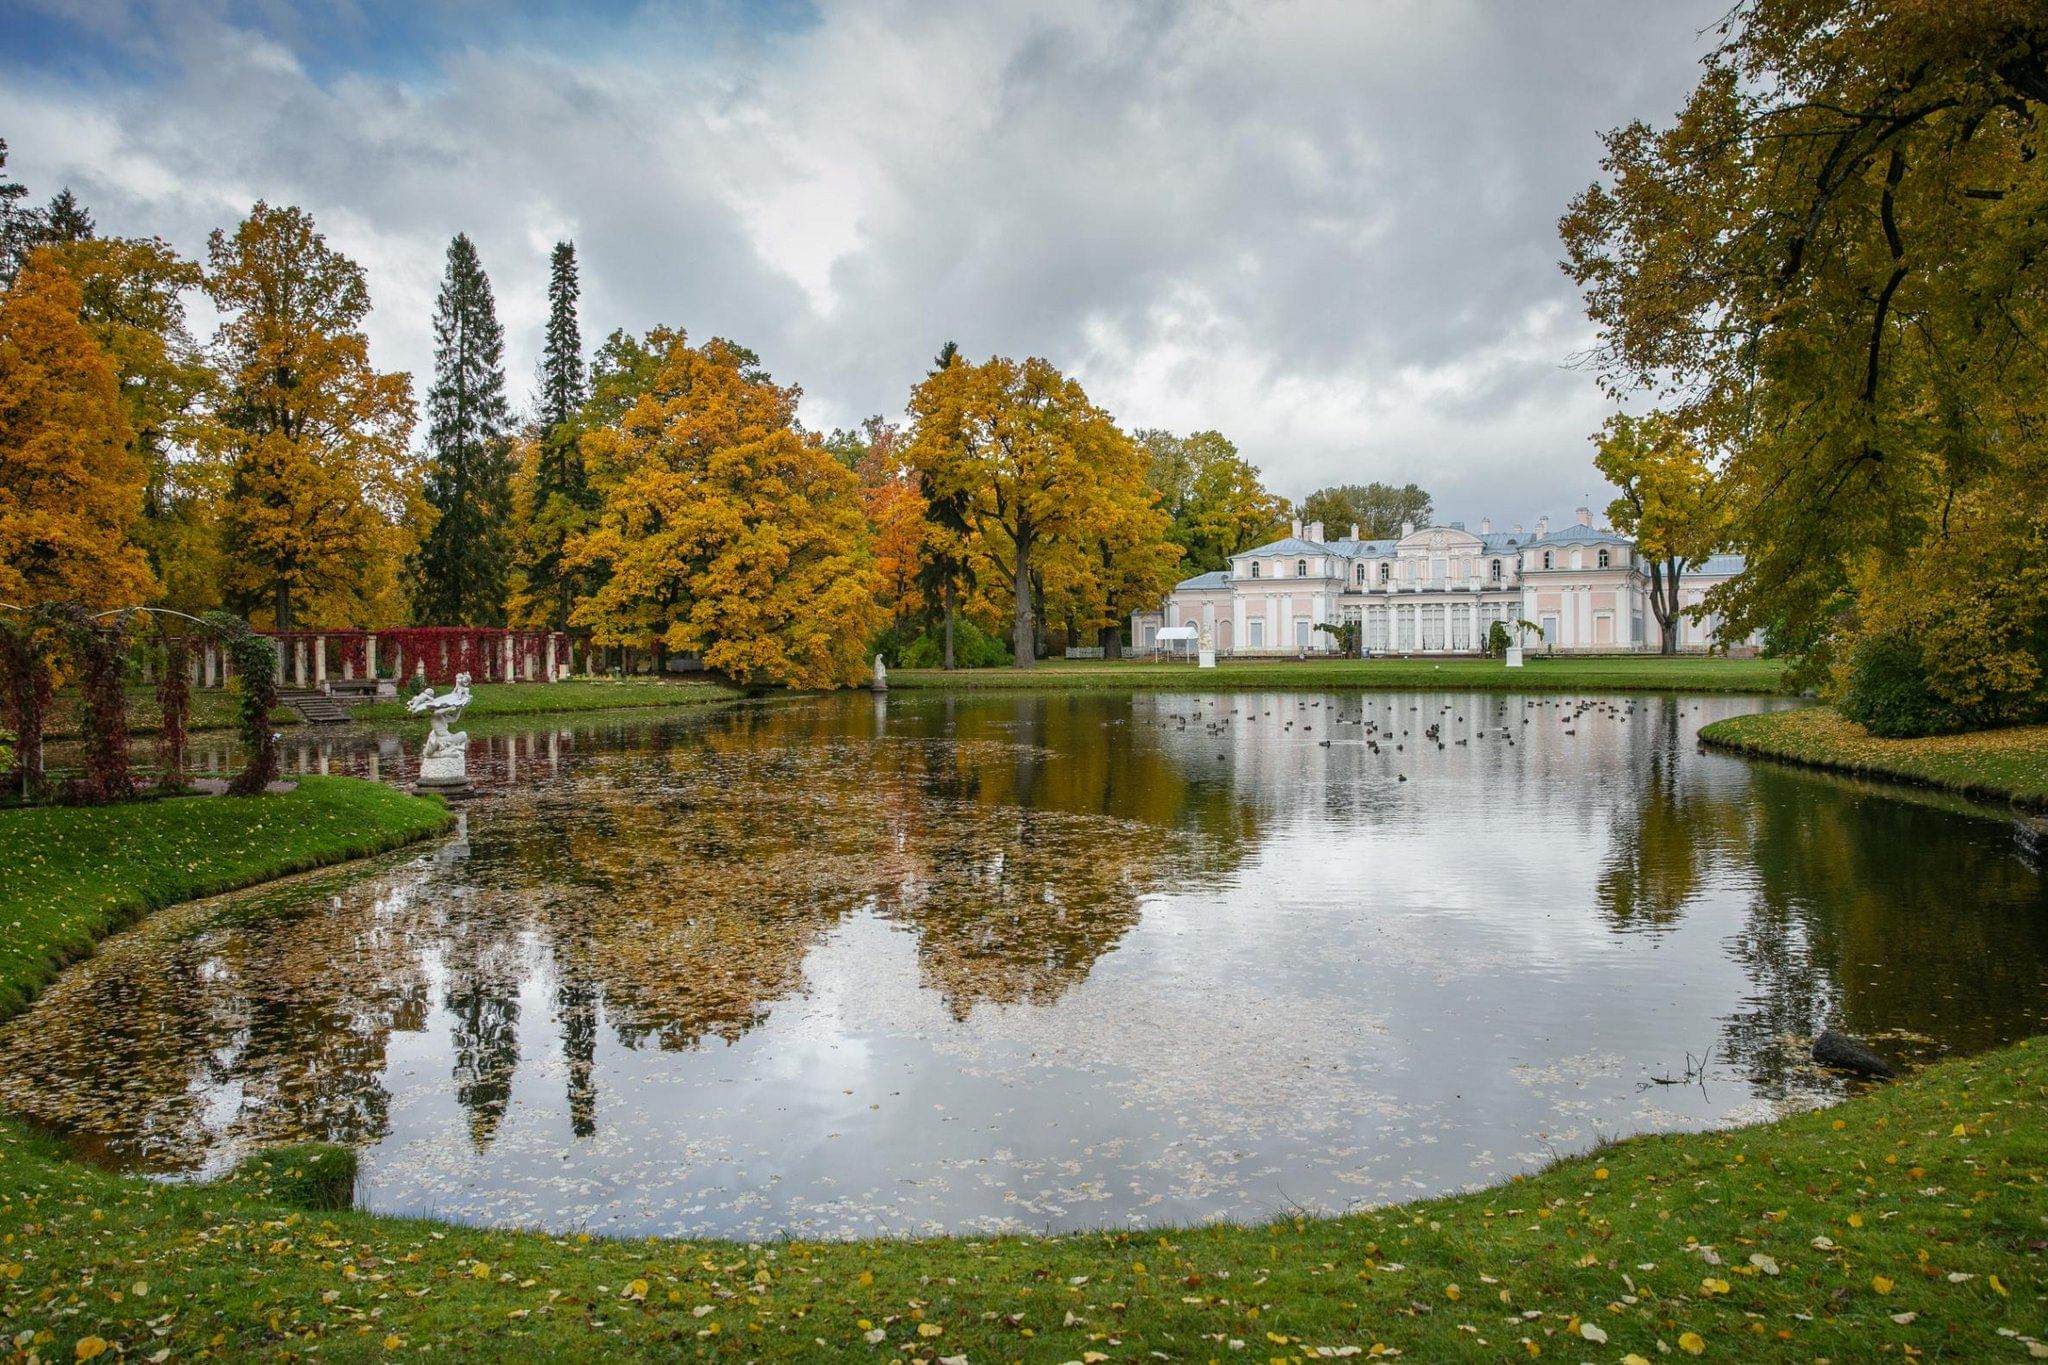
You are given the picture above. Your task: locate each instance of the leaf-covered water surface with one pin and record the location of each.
(854, 966)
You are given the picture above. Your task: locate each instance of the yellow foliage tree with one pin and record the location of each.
(70, 486)
(1668, 505)
(321, 487)
(725, 534)
(1045, 482)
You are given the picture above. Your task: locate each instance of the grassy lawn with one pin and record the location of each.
(1626, 673)
(1911, 1220)
(1998, 764)
(211, 710)
(578, 694)
(77, 873)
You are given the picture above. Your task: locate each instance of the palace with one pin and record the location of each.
(1437, 590)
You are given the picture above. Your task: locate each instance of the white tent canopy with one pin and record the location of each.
(1189, 634)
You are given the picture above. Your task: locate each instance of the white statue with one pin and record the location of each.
(881, 682)
(444, 758)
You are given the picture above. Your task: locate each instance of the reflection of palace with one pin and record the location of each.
(1437, 590)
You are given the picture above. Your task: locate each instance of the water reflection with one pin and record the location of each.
(1023, 961)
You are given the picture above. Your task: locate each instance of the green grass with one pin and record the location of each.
(577, 694)
(1624, 673)
(77, 873)
(2010, 765)
(1915, 1216)
(1807, 1238)
(211, 710)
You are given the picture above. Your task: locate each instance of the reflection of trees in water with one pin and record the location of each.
(260, 1029)
(1666, 824)
(672, 889)
(1883, 917)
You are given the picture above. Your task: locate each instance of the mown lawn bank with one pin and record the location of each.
(77, 873)
(577, 694)
(2008, 765)
(1916, 1217)
(1626, 673)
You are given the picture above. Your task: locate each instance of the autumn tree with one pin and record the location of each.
(1378, 509)
(462, 561)
(70, 484)
(561, 493)
(1668, 505)
(724, 533)
(133, 303)
(1828, 266)
(319, 481)
(895, 514)
(1038, 471)
(1214, 501)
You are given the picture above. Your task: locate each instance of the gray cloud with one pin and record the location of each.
(1326, 229)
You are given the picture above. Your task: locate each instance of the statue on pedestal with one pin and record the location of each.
(444, 758)
(881, 682)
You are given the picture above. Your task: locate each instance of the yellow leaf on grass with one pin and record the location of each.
(1692, 1343)
(1881, 1284)
(1451, 1291)
(930, 1329)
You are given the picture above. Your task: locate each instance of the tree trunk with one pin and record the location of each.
(1112, 642)
(949, 625)
(1023, 625)
(281, 606)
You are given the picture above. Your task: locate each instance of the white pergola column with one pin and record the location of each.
(319, 659)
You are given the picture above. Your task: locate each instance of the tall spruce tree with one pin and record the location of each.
(561, 503)
(461, 566)
(66, 220)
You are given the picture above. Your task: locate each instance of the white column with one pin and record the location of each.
(319, 659)
(508, 656)
(370, 655)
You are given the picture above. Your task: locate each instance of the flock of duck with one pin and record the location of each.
(1377, 732)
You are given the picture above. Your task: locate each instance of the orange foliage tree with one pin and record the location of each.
(70, 485)
(723, 533)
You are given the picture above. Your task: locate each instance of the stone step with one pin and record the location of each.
(315, 708)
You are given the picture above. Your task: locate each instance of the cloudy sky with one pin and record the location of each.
(1325, 229)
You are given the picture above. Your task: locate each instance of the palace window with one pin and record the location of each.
(1546, 560)
(1361, 575)
(1496, 571)
(1603, 559)
(1386, 571)
(1255, 568)
(1301, 568)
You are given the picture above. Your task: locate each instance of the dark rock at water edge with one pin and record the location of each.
(1845, 1054)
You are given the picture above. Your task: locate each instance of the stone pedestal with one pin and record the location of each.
(1207, 658)
(1514, 656)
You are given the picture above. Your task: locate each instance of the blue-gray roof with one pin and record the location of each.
(1215, 578)
(1719, 566)
(1291, 545)
(1582, 535)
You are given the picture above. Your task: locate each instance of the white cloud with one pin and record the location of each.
(1326, 229)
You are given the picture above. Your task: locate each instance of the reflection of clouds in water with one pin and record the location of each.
(1015, 962)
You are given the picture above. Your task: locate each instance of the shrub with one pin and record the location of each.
(1888, 692)
(319, 1177)
(972, 648)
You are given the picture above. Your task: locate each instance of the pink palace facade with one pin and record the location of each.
(1437, 590)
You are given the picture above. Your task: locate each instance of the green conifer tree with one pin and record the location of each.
(460, 570)
(561, 494)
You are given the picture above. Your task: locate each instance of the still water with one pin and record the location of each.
(858, 966)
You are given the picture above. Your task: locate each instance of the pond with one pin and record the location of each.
(858, 966)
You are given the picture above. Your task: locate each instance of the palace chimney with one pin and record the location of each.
(1407, 529)
(1296, 532)
(1542, 527)
(1586, 516)
(1486, 526)
(1315, 532)
(1354, 530)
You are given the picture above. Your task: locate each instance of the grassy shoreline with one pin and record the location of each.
(78, 873)
(1994, 765)
(574, 695)
(1620, 673)
(1912, 1216)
